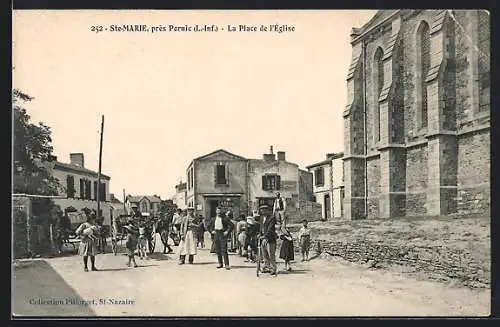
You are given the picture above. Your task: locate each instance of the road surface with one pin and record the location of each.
(160, 287)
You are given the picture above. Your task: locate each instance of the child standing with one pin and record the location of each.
(287, 251)
(131, 245)
(142, 242)
(305, 240)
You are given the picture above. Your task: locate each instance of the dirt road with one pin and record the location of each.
(160, 287)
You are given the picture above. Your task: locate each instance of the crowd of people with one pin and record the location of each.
(243, 235)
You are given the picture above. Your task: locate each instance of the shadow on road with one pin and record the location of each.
(38, 290)
(294, 272)
(160, 256)
(242, 267)
(112, 269)
(145, 266)
(204, 263)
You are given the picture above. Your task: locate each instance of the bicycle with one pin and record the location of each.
(259, 255)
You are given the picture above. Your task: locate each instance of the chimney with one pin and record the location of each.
(329, 155)
(268, 157)
(281, 156)
(76, 159)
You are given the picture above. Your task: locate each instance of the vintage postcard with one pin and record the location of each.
(270, 163)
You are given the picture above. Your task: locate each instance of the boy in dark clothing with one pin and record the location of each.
(131, 245)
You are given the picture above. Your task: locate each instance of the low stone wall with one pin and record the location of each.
(307, 210)
(438, 262)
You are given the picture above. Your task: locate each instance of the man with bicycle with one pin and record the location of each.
(268, 240)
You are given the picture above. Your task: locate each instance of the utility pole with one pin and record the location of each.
(99, 172)
(124, 206)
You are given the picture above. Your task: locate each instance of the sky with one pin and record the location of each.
(169, 97)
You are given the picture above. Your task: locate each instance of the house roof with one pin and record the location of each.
(220, 150)
(321, 163)
(335, 155)
(77, 169)
(138, 198)
(330, 156)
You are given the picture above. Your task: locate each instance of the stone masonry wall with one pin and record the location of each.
(474, 173)
(373, 187)
(441, 262)
(438, 262)
(416, 181)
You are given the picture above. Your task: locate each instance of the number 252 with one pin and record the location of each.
(96, 29)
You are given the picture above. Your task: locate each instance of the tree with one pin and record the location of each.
(32, 152)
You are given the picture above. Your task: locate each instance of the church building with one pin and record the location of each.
(417, 119)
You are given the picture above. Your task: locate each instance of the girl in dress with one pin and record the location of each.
(286, 251)
(87, 233)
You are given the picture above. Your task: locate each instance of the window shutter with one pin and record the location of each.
(68, 186)
(215, 173)
(264, 182)
(81, 189)
(95, 190)
(226, 177)
(278, 182)
(87, 189)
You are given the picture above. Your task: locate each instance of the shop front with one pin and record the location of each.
(226, 202)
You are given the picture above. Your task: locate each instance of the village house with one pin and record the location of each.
(79, 186)
(180, 197)
(117, 206)
(328, 185)
(148, 205)
(223, 179)
(417, 120)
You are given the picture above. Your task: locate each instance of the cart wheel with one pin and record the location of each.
(114, 246)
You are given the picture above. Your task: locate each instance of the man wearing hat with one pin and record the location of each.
(268, 232)
(220, 227)
(187, 246)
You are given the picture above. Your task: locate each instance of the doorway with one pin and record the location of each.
(212, 204)
(327, 204)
